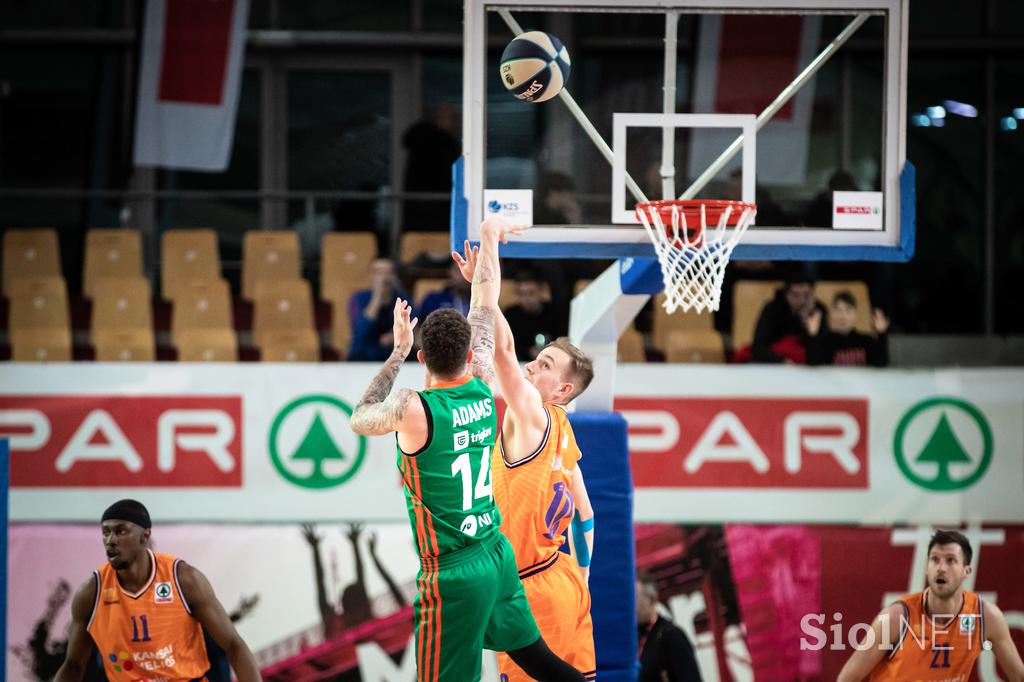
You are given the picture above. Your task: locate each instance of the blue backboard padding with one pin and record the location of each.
(605, 465)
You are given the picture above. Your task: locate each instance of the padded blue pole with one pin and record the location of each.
(5, 479)
(605, 464)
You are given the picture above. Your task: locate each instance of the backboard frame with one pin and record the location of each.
(895, 243)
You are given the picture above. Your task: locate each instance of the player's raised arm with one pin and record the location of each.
(207, 609)
(520, 395)
(879, 641)
(998, 633)
(378, 412)
(80, 644)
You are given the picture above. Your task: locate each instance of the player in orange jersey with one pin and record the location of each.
(144, 609)
(936, 634)
(539, 488)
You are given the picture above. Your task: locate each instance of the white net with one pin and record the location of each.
(693, 254)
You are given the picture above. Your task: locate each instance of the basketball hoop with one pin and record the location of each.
(694, 239)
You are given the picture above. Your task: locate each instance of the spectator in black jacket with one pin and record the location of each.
(533, 322)
(780, 335)
(840, 343)
(665, 652)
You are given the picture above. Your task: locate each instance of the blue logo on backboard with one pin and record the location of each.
(494, 206)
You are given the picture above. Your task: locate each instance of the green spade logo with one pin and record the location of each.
(312, 444)
(930, 445)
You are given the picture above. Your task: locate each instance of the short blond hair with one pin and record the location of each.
(581, 367)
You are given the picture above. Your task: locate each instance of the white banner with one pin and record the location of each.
(189, 79)
(708, 444)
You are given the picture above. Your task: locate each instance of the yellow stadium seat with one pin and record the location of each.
(665, 323)
(200, 305)
(269, 256)
(43, 344)
(124, 345)
(110, 253)
(188, 256)
(300, 345)
(207, 345)
(437, 244)
(121, 304)
(345, 259)
(30, 252)
(695, 346)
(281, 306)
(631, 346)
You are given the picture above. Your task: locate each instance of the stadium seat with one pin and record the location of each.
(341, 326)
(345, 259)
(200, 305)
(38, 302)
(826, 290)
(207, 345)
(696, 346)
(188, 256)
(38, 320)
(665, 323)
(124, 345)
(48, 344)
(749, 297)
(631, 346)
(121, 305)
(437, 244)
(507, 293)
(298, 345)
(282, 306)
(30, 252)
(269, 256)
(110, 253)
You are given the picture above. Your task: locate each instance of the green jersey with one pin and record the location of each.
(448, 481)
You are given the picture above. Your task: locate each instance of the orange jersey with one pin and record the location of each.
(148, 635)
(941, 648)
(534, 494)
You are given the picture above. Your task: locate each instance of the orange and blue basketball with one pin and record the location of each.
(535, 66)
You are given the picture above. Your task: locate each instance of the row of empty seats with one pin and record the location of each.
(283, 307)
(191, 280)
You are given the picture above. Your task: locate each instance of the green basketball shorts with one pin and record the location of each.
(468, 601)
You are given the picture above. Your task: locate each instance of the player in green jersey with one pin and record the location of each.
(469, 594)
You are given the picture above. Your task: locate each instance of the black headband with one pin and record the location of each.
(128, 510)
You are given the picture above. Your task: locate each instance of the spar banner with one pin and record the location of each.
(707, 445)
(757, 602)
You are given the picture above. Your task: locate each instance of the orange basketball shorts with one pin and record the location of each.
(560, 602)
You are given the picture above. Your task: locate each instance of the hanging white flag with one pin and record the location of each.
(189, 80)
(744, 62)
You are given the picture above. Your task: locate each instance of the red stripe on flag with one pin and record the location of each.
(197, 34)
(758, 57)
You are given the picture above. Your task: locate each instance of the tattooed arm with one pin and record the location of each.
(482, 267)
(378, 412)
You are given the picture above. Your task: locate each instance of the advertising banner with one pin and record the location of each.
(707, 444)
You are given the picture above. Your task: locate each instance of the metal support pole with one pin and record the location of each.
(668, 133)
(773, 108)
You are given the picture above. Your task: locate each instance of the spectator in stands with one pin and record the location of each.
(665, 652)
(780, 335)
(370, 312)
(556, 201)
(819, 213)
(455, 295)
(433, 146)
(534, 323)
(840, 343)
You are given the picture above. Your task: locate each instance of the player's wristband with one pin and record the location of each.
(580, 541)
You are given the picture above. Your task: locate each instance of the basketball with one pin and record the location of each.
(535, 66)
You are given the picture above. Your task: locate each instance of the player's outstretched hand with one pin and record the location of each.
(501, 229)
(403, 326)
(467, 261)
